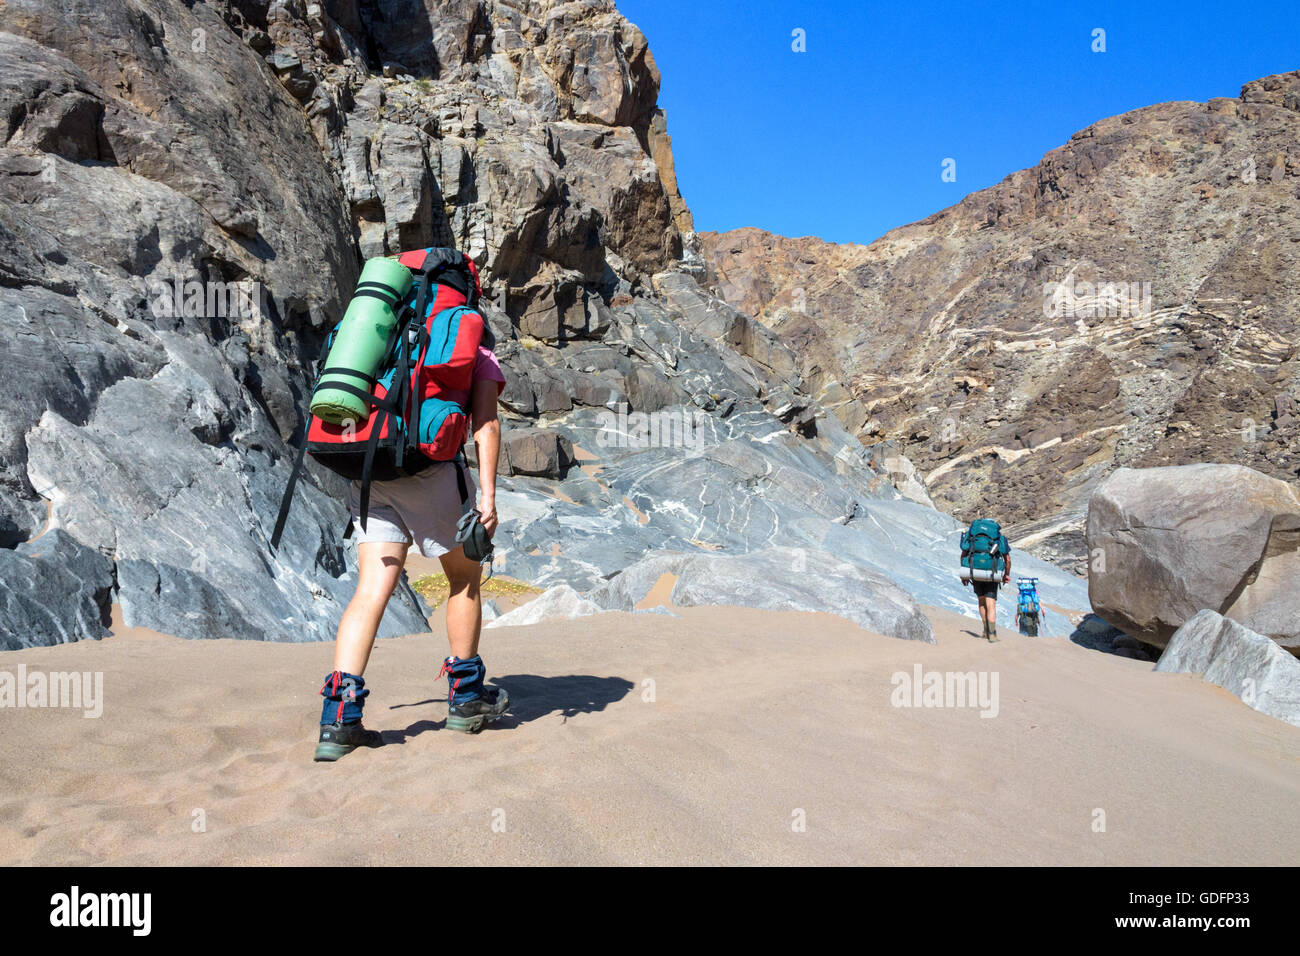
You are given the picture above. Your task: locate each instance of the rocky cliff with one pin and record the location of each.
(187, 192)
(1128, 301)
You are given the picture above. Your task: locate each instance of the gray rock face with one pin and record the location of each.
(724, 477)
(1095, 634)
(53, 590)
(152, 426)
(1242, 662)
(1167, 542)
(781, 579)
(257, 146)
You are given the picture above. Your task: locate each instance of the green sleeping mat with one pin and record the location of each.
(360, 340)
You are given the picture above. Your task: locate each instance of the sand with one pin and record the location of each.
(722, 735)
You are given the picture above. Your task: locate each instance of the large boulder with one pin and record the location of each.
(541, 452)
(1167, 542)
(1239, 660)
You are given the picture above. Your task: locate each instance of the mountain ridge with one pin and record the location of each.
(1154, 214)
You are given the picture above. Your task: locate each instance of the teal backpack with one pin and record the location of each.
(984, 551)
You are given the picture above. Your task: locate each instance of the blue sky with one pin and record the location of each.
(847, 140)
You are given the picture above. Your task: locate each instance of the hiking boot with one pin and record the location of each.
(470, 703)
(469, 716)
(340, 717)
(336, 740)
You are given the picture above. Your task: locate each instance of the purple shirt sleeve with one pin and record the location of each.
(487, 367)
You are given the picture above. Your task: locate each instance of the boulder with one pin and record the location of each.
(1167, 542)
(540, 452)
(558, 603)
(1241, 661)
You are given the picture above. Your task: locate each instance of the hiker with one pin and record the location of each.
(1028, 607)
(422, 509)
(986, 559)
(390, 410)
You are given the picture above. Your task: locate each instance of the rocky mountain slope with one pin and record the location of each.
(1129, 301)
(187, 192)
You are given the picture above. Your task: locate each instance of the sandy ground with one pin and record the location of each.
(720, 736)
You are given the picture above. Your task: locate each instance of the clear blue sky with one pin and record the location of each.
(846, 140)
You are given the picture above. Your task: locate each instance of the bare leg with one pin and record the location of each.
(989, 612)
(379, 569)
(464, 603)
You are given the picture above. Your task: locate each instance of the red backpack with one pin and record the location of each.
(412, 421)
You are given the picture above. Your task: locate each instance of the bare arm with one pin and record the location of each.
(487, 443)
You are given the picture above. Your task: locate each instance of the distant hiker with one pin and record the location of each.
(408, 368)
(1029, 610)
(986, 560)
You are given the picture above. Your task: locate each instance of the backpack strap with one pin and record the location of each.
(466, 503)
(367, 466)
(287, 500)
(466, 506)
(353, 372)
(401, 396)
(387, 409)
(417, 344)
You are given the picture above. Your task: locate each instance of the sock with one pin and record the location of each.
(345, 696)
(464, 678)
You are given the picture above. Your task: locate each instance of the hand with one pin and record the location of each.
(965, 582)
(1006, 579)
(488, 514)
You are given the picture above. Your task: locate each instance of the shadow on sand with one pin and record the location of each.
(1096, 635)
(531, 698)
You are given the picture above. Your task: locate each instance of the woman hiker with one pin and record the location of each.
(421, 509)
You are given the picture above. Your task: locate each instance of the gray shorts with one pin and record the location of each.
(418, 509)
